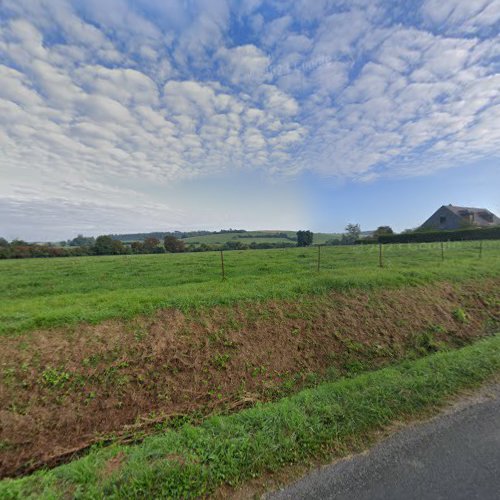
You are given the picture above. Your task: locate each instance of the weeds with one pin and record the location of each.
(220, 361)
(193, 461)
(220, 337)
(52, 377)
(426, 343)
(460, 315)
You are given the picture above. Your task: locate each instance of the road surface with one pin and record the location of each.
(456, 455)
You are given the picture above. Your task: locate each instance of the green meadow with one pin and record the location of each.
(42, 293)
(248, 237)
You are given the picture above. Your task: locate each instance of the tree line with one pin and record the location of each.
(109, 245)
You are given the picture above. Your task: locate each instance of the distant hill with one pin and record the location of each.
(265, 236)
(160, 235)
(225, 235)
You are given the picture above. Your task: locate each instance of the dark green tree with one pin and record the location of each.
(173, 244)
(18, 243)
(137, 247)
(4, 249)
(304, 238)
(82, 241)
(119, 248)
(105, 245)
(382, 230)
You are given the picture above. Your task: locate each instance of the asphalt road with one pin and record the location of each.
(456, 455)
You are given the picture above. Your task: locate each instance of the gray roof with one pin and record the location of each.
(482, 216)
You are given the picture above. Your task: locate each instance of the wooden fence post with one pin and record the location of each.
(480, 248)
(319, 256)
(442, 251)
(380, 260)
(222, 265)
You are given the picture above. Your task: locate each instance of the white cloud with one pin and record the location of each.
(104, 109)
(457, 16)
(157, 92)
(127, 86)
(277, 101)
(277, 30)
(204, 34)
(338, 33)
(245, 64)
(15, 88)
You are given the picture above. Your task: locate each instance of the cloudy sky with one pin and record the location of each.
(121, 116)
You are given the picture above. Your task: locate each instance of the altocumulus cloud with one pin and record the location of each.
(95, 94)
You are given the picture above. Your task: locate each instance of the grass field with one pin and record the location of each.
(256, 236)
(181, 344)
(328, 420)
(40, 293)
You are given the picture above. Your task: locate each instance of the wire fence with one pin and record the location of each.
(388, 255)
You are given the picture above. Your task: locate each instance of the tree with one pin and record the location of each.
(19, 243)
(304, 238)
(382, 230)
(352, 234)
(81, 241)
(104, 245)
(173, 244)
(137, 247)
(151, 244)
(119, 248)
(4, 249)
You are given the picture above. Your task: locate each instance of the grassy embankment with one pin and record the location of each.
(42, 293)
(194, 461)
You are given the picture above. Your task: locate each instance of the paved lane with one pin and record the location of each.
(453, 456)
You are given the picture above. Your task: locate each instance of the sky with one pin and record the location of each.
(158, 115)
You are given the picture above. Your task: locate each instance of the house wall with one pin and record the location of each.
(453, 221)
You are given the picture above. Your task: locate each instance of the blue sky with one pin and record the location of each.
(122, 116)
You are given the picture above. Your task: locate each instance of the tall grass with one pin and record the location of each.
(194, 461)
(39, 293)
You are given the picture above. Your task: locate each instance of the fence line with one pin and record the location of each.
(222, 265)
(390, 247)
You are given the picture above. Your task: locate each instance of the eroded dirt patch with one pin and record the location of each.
(63, 389)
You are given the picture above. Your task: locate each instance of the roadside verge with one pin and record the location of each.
(194, 461)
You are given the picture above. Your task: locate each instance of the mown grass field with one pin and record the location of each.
(41, 293)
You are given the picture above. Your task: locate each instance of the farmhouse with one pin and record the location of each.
(453, 217)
